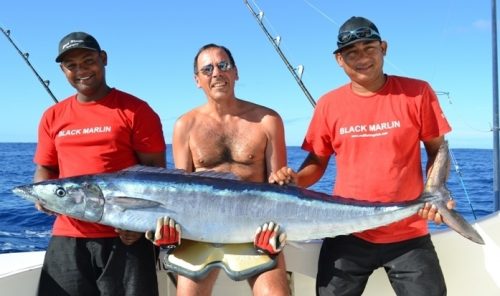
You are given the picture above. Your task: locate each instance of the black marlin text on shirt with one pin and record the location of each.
(84, 131)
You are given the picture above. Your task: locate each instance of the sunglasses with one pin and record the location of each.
(365, 32)
(209, 69)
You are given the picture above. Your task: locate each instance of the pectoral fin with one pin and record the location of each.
(124, 203)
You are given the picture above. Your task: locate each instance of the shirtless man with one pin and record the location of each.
(228, 134)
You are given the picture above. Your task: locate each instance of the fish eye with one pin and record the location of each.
(61, 192)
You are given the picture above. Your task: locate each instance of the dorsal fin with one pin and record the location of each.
(208, 173)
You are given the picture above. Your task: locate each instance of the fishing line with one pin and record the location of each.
(25, 57)
(450, 101)
(322, 13)
(447, 16)
(459, 172)
(455, 162)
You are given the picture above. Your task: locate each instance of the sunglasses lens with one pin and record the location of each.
(363, 32)
(207, 70)
(224, 66)
(345, 37)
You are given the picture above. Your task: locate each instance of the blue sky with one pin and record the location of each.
(151, 46)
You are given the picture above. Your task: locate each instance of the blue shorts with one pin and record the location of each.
(346, 262)
(100, 266)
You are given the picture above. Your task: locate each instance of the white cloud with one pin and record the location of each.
(482, 24)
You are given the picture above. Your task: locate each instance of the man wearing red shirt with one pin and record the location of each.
(98, 130)
(374, 126)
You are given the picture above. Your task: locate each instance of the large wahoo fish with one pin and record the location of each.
(214, 207)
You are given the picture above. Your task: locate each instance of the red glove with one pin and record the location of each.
(268, 239)
(167, 234)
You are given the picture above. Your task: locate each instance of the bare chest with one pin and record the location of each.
(216, 145)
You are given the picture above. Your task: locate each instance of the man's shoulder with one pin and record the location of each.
(127, 101)
(196, 111)
(122, 95)
(255, 108)
(61, 105)
(335, 94)
(190, 116)
(407, 80)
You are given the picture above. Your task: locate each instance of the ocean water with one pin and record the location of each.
(23, 228)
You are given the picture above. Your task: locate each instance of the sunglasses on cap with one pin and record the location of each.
(365, 32)
(209, 69)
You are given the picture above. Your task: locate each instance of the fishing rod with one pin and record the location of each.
(25, 56)
(276, 42)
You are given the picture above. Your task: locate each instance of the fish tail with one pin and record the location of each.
(436, 186)
(456, 222)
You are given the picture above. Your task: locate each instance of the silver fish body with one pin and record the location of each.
(214, 209)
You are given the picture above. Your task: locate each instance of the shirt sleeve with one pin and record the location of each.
(318, 139)
(46, 152)
(148, 131)
(433, 120)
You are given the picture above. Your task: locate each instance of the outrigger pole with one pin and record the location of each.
(495, 128)
(25, 56)
(276, 42)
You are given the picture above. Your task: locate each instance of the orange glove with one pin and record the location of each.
(167, 234)
(268, 239)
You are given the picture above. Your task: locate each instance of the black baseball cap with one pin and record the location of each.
(354, 30)
(76, 40)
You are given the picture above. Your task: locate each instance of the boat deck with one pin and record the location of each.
(469, 268)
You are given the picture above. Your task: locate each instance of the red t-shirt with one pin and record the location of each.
(376, 142)
(97, 137)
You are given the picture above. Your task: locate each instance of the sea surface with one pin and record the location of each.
(23, 228)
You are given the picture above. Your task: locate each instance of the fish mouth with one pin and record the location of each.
(27, 193)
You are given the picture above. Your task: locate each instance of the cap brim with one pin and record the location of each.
(355, 41)
(61, 55)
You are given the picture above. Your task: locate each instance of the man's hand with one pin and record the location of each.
(167, 234)
(268, 239)
(128, 237)
(283, 176)
(431, 213)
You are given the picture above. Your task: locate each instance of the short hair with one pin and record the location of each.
(212, 45)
